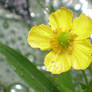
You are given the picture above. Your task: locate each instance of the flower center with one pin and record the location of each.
(62, 42)
(64, 39)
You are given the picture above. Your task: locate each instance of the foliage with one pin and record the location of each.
(34, 77)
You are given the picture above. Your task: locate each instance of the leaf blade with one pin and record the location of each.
(64, 82)
(27, 71)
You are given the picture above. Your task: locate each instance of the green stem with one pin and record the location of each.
(90, 70)
(85, 77)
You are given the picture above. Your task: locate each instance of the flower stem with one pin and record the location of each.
(85, 77)
(90, 70)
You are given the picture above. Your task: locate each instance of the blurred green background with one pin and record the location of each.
(14, 29)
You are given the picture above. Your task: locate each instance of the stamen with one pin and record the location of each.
(64, 39)
(63, 42)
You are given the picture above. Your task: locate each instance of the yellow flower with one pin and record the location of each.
(66, 38)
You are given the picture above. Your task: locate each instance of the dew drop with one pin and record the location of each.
(77, 7)
(39, 67)
(43, 67)
(32, 14)
(17, 87)
(31, 58)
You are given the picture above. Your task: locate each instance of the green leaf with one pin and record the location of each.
(90, 86)
(81, 90)
(83, 86)
(64, 81)
(27, 71)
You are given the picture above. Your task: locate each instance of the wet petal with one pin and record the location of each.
(81, 55)
(62, 18)
(39, 37)
(57, 63)
(82, 26)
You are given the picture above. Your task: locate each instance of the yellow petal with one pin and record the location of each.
(57, 63)
(82, 26)
(62, 18)
(81, 56)
(39, 37)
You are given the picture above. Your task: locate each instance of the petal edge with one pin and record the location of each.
(39, 37)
